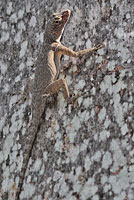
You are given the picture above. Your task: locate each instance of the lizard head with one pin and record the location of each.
(56, 24)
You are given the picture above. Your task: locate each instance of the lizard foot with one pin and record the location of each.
(74, 98)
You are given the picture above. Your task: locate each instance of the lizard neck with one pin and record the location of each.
(49, 40)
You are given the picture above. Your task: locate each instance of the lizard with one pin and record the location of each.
(45, 82)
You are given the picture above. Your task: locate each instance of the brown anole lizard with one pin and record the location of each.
(45, 80)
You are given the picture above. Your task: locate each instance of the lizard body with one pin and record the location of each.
(45, 80)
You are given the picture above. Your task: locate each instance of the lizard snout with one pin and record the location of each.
(66, 13)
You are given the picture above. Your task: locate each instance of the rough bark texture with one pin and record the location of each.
(84, 149)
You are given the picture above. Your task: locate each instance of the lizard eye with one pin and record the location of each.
(57, 22)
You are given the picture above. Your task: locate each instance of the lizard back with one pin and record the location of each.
(45, 74)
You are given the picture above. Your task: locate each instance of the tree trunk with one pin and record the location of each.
(84, 148)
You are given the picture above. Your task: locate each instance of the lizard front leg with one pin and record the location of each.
(61, 49)
(61, 83)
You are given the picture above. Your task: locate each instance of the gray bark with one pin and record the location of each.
(84, 149)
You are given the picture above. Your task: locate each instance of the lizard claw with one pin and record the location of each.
(99, 46)
(75, 97)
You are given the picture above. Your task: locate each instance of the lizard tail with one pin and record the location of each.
(28, 150)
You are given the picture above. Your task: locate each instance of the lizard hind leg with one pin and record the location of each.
(27, 89)
(52, 88)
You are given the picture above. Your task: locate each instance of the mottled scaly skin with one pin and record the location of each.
(45, 74)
